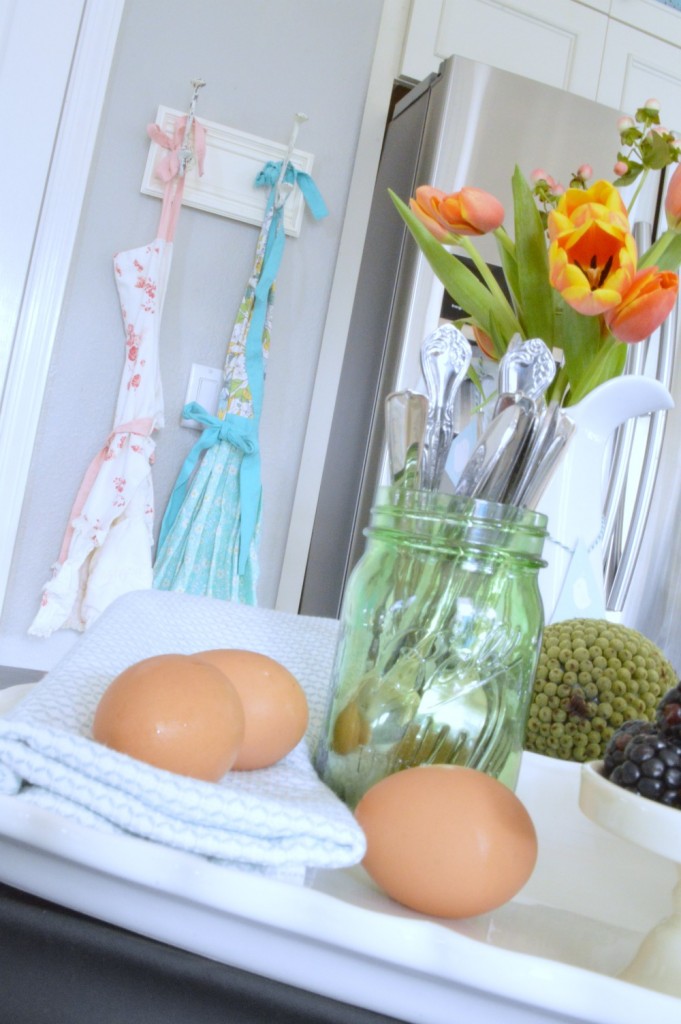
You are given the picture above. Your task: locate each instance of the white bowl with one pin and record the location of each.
(656, 828)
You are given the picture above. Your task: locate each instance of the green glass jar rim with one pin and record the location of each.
(442, 522)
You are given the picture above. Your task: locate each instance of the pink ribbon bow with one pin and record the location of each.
(169, 166)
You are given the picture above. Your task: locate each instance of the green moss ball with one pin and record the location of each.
(592, 676)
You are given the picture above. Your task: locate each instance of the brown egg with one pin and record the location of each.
(447, 841)
(274, 702)
(175, 712)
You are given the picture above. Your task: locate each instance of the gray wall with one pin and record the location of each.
(263, 60)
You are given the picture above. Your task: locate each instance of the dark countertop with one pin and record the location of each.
(58, 966)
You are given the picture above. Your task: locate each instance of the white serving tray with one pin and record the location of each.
(550, 955)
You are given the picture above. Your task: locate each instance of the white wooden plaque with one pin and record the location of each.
(227, 186)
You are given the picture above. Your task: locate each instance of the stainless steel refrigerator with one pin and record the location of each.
(470, 125)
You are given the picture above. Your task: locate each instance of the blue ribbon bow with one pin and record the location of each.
(269, 176)
(241, 432)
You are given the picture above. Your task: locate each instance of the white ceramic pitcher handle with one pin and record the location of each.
(608, 405)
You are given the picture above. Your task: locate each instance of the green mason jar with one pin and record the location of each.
(439, 641)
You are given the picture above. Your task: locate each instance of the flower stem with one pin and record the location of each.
(486, 274)
(657, 250)
(637, 190)
(504, 240)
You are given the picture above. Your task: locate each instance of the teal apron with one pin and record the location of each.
(208, 543)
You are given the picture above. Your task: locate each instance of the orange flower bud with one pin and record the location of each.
(672, 202)
(645, 305)
(484, 343)
(426, 206)
(471, 211)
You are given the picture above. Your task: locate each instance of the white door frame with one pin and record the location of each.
(94, 42)
(387, 65)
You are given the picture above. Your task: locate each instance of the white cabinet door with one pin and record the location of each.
(637, 66)
(559, 43)
(651, 16)
(418, 57)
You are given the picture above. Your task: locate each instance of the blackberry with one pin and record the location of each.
(645, 761)
(668, 717)
(615, 751)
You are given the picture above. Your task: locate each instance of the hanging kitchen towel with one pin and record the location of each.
(209, 535)
(280, 820)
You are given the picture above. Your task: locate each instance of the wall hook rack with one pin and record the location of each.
(233, 160)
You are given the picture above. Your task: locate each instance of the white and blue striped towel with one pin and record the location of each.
(281, 820)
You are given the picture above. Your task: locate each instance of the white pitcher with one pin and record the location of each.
(572, 584)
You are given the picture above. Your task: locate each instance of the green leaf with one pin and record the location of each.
(646, 115)
(616, 360)
(474, 376)
(630, 136)
(655, 152)
(607, 361)
(635, 169)
(535, 294)
(590, 359)
(665, 253)
(579, 337)
(490, 311)
(557, 389)
(497, 337)
(671, 258)
(508, 261)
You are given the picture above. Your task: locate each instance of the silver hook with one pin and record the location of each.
(283, 189)
(186, 152)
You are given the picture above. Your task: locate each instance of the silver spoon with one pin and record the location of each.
(541, 441)
(555, 432)
(406, 415)
(445, 358)
(496, 451)
(526, 368)
(514, 455)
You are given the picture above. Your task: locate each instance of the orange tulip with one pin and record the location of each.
(646, 304)
(592, 255)
(484, 343)
(471, 211)
(672, 202)
(426, 207)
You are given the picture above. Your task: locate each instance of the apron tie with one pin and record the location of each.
(240, 431)
(143, 427)
(168, 169)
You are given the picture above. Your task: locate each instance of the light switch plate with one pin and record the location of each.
(203, 387)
